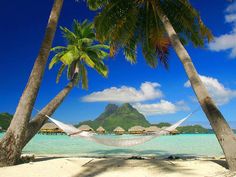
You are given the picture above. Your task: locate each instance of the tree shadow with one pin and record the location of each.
(127, 152)
(222, 163)
(97, 167)
(45, 158)
(160, 154)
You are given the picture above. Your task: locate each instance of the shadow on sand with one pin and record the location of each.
(96, 167)
(44, 158)
(154, 164)
(221, 163)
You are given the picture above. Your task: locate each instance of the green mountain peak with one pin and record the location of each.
(111, 108)
(124, 116)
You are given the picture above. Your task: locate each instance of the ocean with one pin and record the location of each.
(178, 145)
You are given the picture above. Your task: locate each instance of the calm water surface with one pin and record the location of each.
(188, 144)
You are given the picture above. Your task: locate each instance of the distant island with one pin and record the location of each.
(124, 116)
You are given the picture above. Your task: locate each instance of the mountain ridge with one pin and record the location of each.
(113, 116)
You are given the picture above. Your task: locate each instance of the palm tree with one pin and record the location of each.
(127, 23)
(11, 143)
(82, 49)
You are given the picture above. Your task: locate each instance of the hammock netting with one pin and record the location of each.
(72, 131)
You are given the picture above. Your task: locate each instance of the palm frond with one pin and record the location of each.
(81, 50)
(127, 23)
(100, 67)
(68, 35)
(97, 4)
(54, 60)
(83, 74)
(58, 49)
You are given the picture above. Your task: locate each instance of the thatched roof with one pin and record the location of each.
(49, 126)
(100, 129)
(118, 129)
(152, 129)
(85, 128)
(136, 128)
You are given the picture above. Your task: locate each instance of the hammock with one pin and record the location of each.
(72, 131)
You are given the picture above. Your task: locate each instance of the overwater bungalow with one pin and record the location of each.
(100, 130)
(119, 131)
(86, 128)
(50, 128)
(152, 129)
(136, 130)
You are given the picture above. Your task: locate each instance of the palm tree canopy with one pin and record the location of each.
(82, 49)
(126, 23)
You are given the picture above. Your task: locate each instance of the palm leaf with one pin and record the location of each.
(82, 50)
(54, 60)
(58, 49)
(84, 78)
(128, 23)
(67, 58)
(87, 60)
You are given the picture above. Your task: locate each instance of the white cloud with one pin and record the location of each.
(231, 8)
(147, 91)
(230, 18)
(161, 108)
(217, 90)
(227, 41)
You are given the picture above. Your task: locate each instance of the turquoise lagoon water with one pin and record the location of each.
(184, 145)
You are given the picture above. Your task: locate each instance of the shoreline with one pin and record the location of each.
(127, 156)
(72, 166)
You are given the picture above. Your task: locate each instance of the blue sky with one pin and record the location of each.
(162, 95)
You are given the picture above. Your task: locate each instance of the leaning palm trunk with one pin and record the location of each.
(35, 124)
(221, 128)
(11, 144)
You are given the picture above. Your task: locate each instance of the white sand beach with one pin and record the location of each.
(46, 166)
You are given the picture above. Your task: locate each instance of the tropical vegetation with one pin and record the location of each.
(158, 25)
(162, 124)
(11, 144)
(192, 129)
(81, 50)
(126, 116)
(114, 116)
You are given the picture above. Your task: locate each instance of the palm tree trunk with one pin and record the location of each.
(36, 123)
(11, 143)
(223, 132)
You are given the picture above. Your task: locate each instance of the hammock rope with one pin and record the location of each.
(72, 131)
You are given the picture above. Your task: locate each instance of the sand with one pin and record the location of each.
(46, 166)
